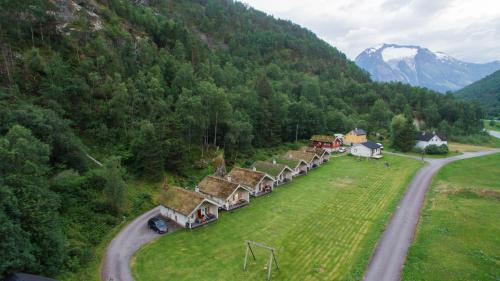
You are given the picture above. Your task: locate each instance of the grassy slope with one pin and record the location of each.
(324, 227)
(492, 128)
(459, 235)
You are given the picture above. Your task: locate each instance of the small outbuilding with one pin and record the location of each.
(187, 208)
(425, 139)
(259, 183)
(355, 136)
(367, 149)
(311, 158)
(280, 172)
(298, 166)
(229, 195)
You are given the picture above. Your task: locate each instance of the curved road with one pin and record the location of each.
(116, 264)
(390, 254)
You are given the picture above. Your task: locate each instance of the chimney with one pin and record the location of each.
(423, 133)
(197, 189)
(433, 132)
(229, 178)
(274, 161)
(255, 169)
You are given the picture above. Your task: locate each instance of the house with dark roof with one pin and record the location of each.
(327, 142)
(259, 183)
(229, 195)
(187, 208)
(311, 158)
(425, 139)
(367, 149)
(280, 172)
(298, 166)
(355, 136)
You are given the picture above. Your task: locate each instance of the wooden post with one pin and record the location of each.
(246, 256)
(269, 266)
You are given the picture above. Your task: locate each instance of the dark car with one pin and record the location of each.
(158, 225)
(27, 277)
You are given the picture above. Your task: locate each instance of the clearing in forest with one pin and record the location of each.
(324, 227)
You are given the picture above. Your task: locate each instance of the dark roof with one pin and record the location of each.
(27, 277)
(425, 136)
(358, 132)
(371, 145)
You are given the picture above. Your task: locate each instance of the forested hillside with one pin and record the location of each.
(486, 91)
(148, 86)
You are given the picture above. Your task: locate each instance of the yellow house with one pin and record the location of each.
(355, 136)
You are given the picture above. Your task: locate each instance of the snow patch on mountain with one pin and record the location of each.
(398, 53)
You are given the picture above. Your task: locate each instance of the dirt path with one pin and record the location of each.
(390, 254)
(116, 264)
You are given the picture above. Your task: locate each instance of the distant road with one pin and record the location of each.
(496, 134)
(390, 254)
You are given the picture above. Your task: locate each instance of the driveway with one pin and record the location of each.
(137, 233)
(496, 134)
(390, 254)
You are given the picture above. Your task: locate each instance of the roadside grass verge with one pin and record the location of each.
(458, 236)
(324, 226)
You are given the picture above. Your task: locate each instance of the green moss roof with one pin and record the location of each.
(269, 168)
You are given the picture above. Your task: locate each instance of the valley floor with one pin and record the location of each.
(324, 227)
(458, 237)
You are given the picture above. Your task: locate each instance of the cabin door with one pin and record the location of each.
(199, 214)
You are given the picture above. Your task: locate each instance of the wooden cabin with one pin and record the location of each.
(187, 208)
(259, 183)
(311, 158)
(298, 166)
(327, 142)
(355, 136)
(280, 172)
(229, 195)
(324, 154)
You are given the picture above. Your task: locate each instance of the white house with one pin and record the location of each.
(367, 149)
(298, 166)
(425, 139)
(229, 195)
(280, 172)
(187, 208)
(311, 158)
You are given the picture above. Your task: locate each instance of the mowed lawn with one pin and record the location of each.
(324, 227)
(459, 233)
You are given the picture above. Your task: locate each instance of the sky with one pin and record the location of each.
(465, 29)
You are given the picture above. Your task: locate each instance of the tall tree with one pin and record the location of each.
(403, 133)
(115, 186)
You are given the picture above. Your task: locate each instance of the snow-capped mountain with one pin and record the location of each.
(421, 67)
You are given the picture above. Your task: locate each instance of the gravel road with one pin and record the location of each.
(390, 254)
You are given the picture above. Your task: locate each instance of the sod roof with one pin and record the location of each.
(303, 155)
(217, 187)
(180, 200)
(269, 167)
(323, 138)
(318, 150)
(246, 177)
(290, 162)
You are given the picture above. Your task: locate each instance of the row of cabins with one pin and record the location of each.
(191, 209)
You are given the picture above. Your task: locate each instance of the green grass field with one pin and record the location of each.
(487, 124)
(324, 227)
(459, 235)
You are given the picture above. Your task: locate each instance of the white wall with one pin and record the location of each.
(173, 215)
(435, 140)
(361, 150)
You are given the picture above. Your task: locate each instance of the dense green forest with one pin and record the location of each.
(485, 91)
(153, 86)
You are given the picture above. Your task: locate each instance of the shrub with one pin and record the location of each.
(434, 149)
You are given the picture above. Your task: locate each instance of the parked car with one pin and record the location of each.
(26, 277)
(342, 150)
(158, 225)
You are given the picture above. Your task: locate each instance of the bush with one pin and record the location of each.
(434, 149)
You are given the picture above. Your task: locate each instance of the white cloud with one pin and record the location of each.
(466, 29)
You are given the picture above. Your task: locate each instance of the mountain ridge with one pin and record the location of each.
(418, 66)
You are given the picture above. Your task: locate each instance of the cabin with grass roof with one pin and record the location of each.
(280, 172)
(298, 166)
(259, 183)
(327, 142)
(229, 195)
(311, 158)
(324, 154)
(187, 208)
